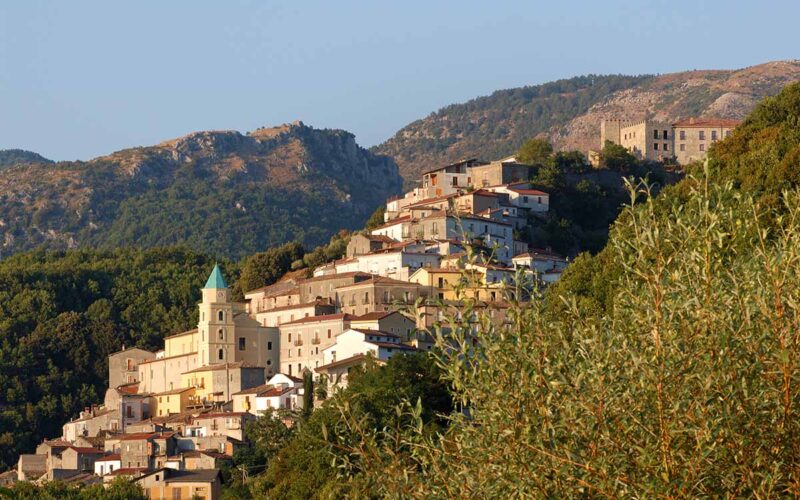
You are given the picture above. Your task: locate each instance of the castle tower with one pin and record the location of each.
(216, 326)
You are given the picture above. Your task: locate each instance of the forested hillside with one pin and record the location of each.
(222, 193)
(10, 157)
(568, 112)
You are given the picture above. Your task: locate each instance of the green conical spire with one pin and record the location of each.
(215, 280)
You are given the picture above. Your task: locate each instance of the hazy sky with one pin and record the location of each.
(84, 78)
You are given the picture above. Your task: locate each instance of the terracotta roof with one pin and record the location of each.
(353, 359)
(168, 357)
(108, 458)
(225, 414)
(373, 316)
(146, 435)
(379, 279)
(223, 366)
(290, 377)
(131, 388)
(393, 222)
(127, 471)
(377, 333)
(174, 335)
(173, 391)
(87, 451)
(706, 122)
(529, 191)
(319, 302)
(324, 317)
(389, 345)
(354, 274)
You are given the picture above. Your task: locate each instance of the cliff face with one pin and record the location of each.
(568, 112)
(222, 192)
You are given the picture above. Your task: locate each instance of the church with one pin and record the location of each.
(228, 351)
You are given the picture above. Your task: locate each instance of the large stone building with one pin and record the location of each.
(646, 139)
(686, 140)
(694, 136)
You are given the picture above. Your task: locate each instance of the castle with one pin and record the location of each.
(685, 141)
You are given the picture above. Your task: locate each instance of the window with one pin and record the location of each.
(242, 344)
(727, 133)
(655, 134)
(269, 362)
(221, 316)
(386, 298)
(455, 181)
(269, 346)
(702, 135)
(299, 352)
(666, 147)
(366, 297)
(683, 147)
(329, 333)
(702, 147)
(290, 337)
(130, 364)
(713, 135)
(221, 354)
(441, 282)
(683, 135)
(655, 146)
(666, 135)
(221, 333)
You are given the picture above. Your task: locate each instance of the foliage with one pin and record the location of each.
(62, 313)
(688, 389)
(335, 249)
(119, 489)
(535, 151)
(308, 393)
(760, 158)
(616, 157)
(11, 157)
(303, 468)
(376, 219)
(265, 268)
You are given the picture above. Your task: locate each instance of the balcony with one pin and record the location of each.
(315, 341)
(298, 342)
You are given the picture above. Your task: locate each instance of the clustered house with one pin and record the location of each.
(171, 418)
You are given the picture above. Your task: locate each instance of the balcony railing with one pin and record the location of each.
(315, 341)
(298, 342)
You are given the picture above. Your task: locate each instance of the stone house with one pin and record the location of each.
(303, 340)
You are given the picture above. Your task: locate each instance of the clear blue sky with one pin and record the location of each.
(84, 78)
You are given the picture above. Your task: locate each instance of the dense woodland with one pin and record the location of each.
(665, 365)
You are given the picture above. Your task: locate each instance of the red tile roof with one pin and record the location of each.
(324, 317)
(706, 122)
(87, 451)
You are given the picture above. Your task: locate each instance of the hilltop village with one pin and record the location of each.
(171, 418)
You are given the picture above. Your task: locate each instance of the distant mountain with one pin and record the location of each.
(11, 157)
(568, 112)
(224, 193)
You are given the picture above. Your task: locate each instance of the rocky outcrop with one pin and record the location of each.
(293, 172)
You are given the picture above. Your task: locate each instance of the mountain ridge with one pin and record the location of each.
(255, 189)
(568, 112)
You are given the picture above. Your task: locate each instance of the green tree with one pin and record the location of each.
(308, 393)
(265, 268)
(376, 219)
(535, 151)
(685, 390)
(616, 157)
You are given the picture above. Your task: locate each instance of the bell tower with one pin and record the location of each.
(216, 326)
